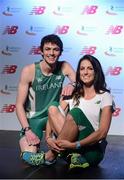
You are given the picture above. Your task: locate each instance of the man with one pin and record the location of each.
(41, 84)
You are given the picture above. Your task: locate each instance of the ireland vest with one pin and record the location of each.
(43, 91)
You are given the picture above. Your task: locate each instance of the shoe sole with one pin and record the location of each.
(49, 163)
(85, 165)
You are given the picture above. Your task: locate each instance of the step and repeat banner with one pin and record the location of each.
(85, 27)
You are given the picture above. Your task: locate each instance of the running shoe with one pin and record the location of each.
(34, 159)
(78, 161)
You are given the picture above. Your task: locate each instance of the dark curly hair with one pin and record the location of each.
(51, 38)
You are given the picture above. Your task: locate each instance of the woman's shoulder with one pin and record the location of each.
(105, 95)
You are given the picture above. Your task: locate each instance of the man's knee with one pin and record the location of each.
(53, 108)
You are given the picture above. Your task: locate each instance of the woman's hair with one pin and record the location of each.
(99, 78)
(51, 38)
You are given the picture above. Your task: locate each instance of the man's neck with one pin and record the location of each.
(46, 68)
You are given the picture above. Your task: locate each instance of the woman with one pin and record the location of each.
(84, 128)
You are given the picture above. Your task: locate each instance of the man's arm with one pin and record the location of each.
(21, 97)
(70, 73)
(27, 75)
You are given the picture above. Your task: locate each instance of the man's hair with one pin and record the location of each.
(51, 38)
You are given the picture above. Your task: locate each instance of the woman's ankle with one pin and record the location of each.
(50, 155)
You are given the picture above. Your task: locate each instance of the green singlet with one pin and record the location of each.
(43, 91)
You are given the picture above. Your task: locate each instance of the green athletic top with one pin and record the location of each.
(42, 91)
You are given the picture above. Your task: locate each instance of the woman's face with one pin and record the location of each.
(87, 73)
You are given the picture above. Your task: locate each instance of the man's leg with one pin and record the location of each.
(25, 147)
(30, 154)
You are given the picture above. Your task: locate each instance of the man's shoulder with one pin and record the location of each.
(66, 67)
(64, 63)
(61, 62)
(28, 68)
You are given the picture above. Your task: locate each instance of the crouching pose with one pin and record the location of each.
(81, 132)
(40, 84)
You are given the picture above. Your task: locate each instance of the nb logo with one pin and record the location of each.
(38, 10)
(35, 51)
(9, 69)
(10, 30)
(89, 10)
(114, 29)
(62, 29)
(89, 50)
(114, 71)
(8, 108)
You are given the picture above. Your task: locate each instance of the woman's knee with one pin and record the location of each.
(69, 117)
(70, 120)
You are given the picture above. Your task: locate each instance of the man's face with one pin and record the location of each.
(50, 53)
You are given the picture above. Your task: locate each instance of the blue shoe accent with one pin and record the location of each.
(34, 159)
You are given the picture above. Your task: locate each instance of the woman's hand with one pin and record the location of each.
(65, 144)
(52, 143)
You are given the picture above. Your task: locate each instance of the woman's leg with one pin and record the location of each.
(91, 153)
(56, 119)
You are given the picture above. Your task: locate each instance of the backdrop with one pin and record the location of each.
(85, 27)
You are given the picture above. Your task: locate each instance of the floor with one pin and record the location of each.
(11, 166)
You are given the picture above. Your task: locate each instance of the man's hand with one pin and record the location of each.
(31, 138)
(67, 90)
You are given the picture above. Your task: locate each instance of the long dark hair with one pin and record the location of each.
(99, 79)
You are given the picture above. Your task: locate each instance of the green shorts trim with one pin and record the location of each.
(85, 127)
(54, 103)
